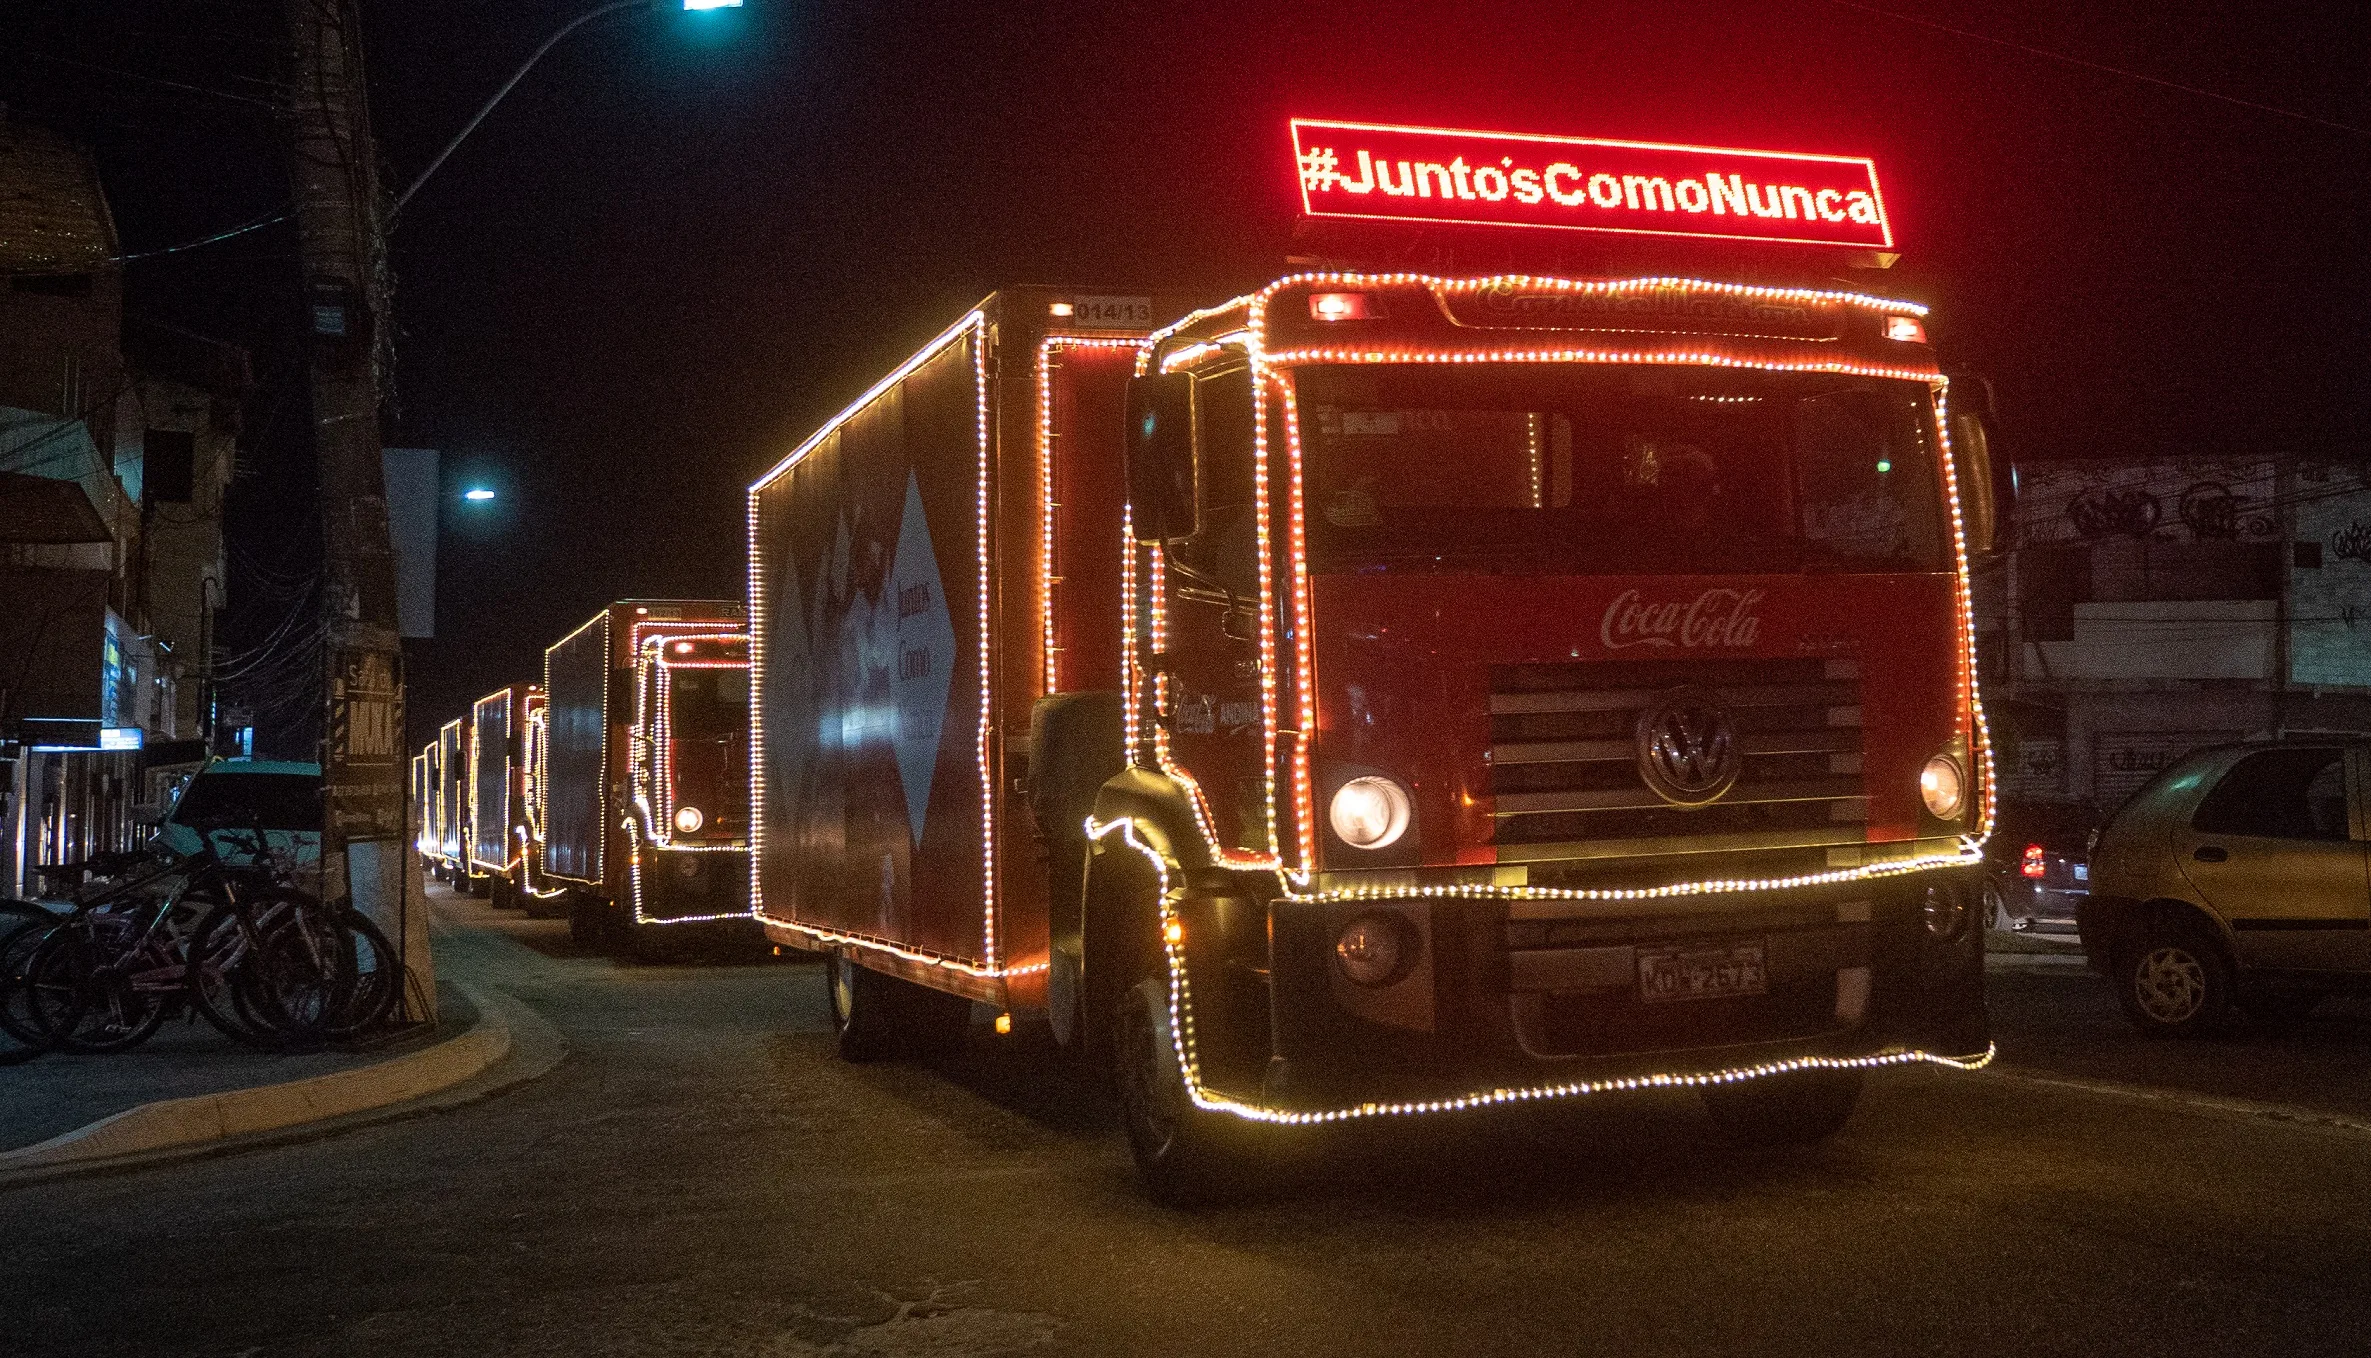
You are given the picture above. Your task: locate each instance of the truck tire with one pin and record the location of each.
(1074, 748)
(875, 1016)
(1185, 1154)
(588, 920)
(2175, 980)
(480, 885)
(1799, 1108)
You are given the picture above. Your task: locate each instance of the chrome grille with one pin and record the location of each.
(1564, 758)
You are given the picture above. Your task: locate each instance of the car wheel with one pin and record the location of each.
(1799, 1108)
(2176, 982)
(1996, 904)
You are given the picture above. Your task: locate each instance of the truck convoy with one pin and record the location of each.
(616, 792)
(1380, 693)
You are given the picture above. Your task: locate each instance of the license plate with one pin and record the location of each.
(1702, 973)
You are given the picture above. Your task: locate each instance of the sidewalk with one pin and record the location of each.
(56, 1093)
(190, 1090)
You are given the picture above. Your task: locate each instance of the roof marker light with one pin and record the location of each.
(1339, 306)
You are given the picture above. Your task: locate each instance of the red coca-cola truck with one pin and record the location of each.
(1386, 693)
(448, 850)
(640, 792)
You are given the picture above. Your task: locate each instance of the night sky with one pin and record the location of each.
(687, 239)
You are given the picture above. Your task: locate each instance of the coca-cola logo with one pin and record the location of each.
(1718, 619)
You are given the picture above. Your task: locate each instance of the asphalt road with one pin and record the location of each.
(703, 1176)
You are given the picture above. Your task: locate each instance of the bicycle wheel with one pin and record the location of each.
(304, 978)
(377, 975)
(21, 1035)
(81, 1001)
(218, 953)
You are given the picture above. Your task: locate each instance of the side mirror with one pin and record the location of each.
(1987, 487)
(1971, 465)
(1161, 499)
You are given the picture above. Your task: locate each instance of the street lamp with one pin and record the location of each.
(598, 11)
(477, 494)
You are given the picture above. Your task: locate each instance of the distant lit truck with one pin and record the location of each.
(1386, 693)
(449, 855)
(497, 782)
(642, 785)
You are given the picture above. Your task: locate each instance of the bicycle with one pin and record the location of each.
(267, 963)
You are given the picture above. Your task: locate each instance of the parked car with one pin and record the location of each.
(281, 799)
(2235, 881)
(2036, 865)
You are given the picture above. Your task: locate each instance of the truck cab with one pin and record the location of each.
(1539, 682)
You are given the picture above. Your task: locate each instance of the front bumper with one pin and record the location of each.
(691, 887)
(1511, 997)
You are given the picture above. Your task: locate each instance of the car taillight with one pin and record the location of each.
(2032, 866)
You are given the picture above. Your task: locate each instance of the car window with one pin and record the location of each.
(2279, 794)
(245, 801)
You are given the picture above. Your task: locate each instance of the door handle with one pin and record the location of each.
(2211, 853)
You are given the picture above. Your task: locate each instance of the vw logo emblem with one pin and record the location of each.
(1687, 749)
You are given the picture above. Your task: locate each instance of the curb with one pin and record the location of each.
(2047, 963)
(509, 1045)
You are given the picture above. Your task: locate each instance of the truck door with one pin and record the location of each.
(1210, 657)
(2273, 848)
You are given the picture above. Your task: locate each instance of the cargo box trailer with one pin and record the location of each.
(423, 801)
(452, 803)
(642, 786)
(498, 793)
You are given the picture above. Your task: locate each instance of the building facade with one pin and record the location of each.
(2145, 608)
(116, 446)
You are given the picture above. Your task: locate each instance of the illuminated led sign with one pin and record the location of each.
(1430, 174)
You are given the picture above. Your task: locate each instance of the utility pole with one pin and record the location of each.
(334, 175)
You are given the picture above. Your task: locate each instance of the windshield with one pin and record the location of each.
(251, 801)
(1584, 468)
(707, 704)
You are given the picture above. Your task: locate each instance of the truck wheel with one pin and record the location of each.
(480, 886)
(588, 919)
(875, 1016)
(2175, 981)
(1795, 1109)
(1184, 1154)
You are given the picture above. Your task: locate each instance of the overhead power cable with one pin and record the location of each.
(2048, 55)
(151, 80)
(278, 214)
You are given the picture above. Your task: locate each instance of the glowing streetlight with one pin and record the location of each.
(598, 11)
(477, 494)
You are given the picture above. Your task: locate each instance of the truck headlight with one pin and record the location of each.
(689, 819)
(1370, 812)
(1942, 787)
